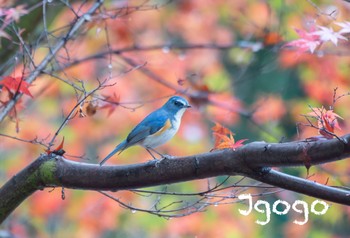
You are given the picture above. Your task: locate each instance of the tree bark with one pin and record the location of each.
(252, 160)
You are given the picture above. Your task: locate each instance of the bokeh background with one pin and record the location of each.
(229, 51)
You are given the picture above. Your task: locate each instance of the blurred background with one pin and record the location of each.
(227, 57)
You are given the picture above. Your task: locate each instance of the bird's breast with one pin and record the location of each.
(163, 135)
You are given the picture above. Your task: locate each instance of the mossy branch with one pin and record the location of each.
(252, 160)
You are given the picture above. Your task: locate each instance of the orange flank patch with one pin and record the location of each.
(166, 126)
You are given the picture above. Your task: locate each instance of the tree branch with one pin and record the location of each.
(50, 56)
(251, 160)
(308, 187)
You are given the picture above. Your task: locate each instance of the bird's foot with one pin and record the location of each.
(157, 162)
(167, 157)
(164, 157)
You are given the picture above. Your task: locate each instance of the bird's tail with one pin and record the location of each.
(119, 147)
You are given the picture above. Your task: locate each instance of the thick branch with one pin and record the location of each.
(251, 160)
(303, 186)
(296, 153)
(22, 185)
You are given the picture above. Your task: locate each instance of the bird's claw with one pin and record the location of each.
(157, 162)
(167, 157)
(164, 157)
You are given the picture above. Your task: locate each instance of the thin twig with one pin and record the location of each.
(34, 74)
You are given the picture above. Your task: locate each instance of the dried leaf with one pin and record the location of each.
(91, 109)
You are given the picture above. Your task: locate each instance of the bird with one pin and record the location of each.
(156, 128)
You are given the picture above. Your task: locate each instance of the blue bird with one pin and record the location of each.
(156, 129)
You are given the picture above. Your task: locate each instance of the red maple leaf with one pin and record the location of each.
(327, 121)
(16, 84)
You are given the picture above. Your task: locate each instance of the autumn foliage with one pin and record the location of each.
(224, 138)
(271, 71)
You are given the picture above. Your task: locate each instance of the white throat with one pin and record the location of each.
(178, 116)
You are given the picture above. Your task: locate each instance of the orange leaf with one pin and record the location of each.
(224, 138)
(58, 150)
(229, 142)
(16, 84)
(60, 147)
(218, 129)
(272, 38)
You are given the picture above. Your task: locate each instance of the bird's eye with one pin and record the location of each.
(179, 104)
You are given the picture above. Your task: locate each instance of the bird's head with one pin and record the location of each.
(176, 105)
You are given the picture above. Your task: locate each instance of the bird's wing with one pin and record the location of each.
(150, 125)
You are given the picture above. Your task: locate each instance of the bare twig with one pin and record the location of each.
(33, 141)
(34, 74)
